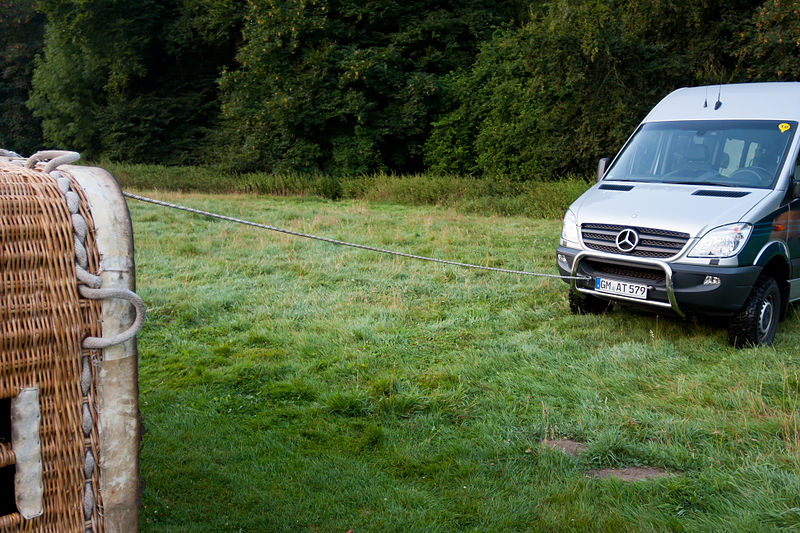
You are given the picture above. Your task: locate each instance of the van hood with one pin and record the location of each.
(689, 209)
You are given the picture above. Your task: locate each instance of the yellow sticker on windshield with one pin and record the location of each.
(784, 127)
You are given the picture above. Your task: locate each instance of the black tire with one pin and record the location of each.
(756, 323)
(585, 304)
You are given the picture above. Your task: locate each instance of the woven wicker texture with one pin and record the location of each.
(42, 323)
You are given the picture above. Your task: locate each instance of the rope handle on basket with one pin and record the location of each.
(100, 343)
(55, 158)
(92, 282)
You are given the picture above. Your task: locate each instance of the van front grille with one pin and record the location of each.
(629, 272)
(655, 243)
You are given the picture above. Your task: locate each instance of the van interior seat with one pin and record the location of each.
(697, 157)
(723, 160)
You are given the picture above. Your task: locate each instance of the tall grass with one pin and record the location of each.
(536, 198)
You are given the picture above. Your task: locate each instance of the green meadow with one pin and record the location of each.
(290, 385)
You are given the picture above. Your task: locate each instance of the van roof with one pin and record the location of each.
(755, 101)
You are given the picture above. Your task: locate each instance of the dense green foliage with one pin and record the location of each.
(513, 89)
(21, 30)
(347, 86)
(772, 50)
(132, 80)
(570, 85)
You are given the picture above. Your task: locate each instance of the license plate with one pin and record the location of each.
(621, 288)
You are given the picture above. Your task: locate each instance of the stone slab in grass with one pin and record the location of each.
(567, 446)
(632, 473)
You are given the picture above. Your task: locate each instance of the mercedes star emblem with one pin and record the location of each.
(627, 240)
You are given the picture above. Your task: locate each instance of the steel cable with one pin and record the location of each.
(338, 242)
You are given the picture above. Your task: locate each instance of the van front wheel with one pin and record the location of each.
(756, 323)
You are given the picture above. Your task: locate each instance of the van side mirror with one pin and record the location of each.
(796, 189)
(601, 167)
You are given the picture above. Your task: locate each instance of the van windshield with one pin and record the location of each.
(734, 153)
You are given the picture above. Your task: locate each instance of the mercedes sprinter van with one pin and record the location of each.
(698, 214)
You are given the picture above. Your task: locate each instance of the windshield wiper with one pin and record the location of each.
(709, 183)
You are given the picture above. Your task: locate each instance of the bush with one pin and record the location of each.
(491, 130)
(346, 88)
(771, 51)
(551, 97)
(134, 81)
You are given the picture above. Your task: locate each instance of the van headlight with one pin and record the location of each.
(724, 241)
(569, 231)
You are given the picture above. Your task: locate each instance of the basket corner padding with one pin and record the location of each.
(120, 435)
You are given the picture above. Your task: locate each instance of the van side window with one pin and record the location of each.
(733, 149)
(751, 155)
(796, 176)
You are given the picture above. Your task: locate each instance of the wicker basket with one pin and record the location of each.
(43, 324)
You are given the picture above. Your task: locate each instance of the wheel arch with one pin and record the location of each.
(777, 267)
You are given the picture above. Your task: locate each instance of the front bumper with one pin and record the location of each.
(676, 287)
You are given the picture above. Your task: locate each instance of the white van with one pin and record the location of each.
(698, 214)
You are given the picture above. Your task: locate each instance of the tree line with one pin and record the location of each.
(514, 89)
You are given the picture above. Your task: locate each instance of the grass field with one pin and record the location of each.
(288, 385)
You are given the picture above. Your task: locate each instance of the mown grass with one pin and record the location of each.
(288, 385)
(537, 198)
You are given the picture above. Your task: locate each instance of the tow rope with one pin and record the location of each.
(341, 243)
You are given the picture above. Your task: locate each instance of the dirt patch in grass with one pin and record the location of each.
(567, 446)
(631, 473)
